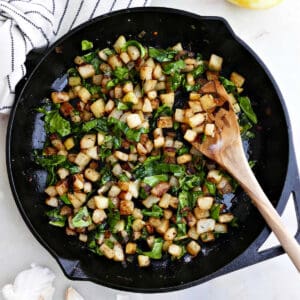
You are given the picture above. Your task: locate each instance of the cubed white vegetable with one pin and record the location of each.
(175, 250)
(214, 176)
(63, 173)
(208, 102)
(51, 191)
(165, 122)
(170, 234)
(84, 95)
(119, 253)
(130, 248)
(215, 63)
(143, 261)
(196, 120)
(190, 135)
(209, 129)
(86, 71)
(193, 248)
(119, 43)
(237, 79)
(205, 203)
(52, 201)
(88, 141)
(225, 218)
(114, 191)
(168, 99)
(98, 216)
(146, 72)
(133, 120)
(150, 200)
(108, 252)
(98, 108)
(205, 225)
(121, 155)
(82, 159)
(183, 159)
(126, 207)
(149, 85)
(159, 142)
(130, 97)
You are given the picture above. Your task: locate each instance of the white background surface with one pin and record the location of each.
(274, 36)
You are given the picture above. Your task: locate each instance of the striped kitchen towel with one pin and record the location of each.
(35, 24)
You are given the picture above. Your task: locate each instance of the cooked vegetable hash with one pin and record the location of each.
(122, 175)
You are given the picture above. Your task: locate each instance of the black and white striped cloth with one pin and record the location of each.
(35, 24)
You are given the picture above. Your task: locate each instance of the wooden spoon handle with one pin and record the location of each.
(239, 168)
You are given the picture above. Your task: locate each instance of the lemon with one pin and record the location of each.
(258, 4)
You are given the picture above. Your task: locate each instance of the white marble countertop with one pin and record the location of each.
(274, 35)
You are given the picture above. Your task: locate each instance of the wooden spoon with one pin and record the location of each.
(227, 150)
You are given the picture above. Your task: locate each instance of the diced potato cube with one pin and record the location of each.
(191, 219)
(224, 186)
(160, 189)
(157, 72)
(163, 226)
(74, 200)
(157, 132)
(133, 120)
(190, 79)
(159, 142)
(194, 96)
(210, 129)
(119, 43)
(205, 203)
(114, 191)
(150, 200)
(63, 173)
(138, 225)
(170, 234)
(237, 79)
(128, 87)
(207, 237)
(78, 182)
(88, 141)
(91, 174)
(152, 95)
(119, 253)
(147, 107)
(192, 233)
(165, 200)
(177, 47)
(193, 248)
(214, 176)
(190, 135)
(98, 108)
(205, 225)
(98, 216)
(82, 159)
(80, 196)
(60, 97)
(146, 72)
(125, 57)
(86, 71)
(149, 85)
(114, 61)
(168, 214)
(51, 191)
(121, 155)
(109, 106)
(179, 115)
(100, 138)
(92, 153)
(87, 187)
(83, 237)
(130, 97)
(215, 63)
(143, 260)
(168, 99)
(175, 250)
(207, 102)
(225, 218)
(165, 122)
(69, 143)
(183, 159)
(52, 201)
(130, 248)
(117, 170)
(195, 106)
(108, 252)
(102, 55)
(221, 228)
(196, 120)
(200, 213)
(133, 52)
(134, 187)
(126, 207)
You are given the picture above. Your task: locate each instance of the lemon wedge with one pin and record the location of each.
(255, 4)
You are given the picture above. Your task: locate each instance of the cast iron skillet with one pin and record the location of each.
(272, 148)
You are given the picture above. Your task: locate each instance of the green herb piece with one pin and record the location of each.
(82, 218)
(176, 125)
(113, 216)
(124, 106)
(183, 150)
(194, 197)
(88, 58)
(86, 45)
(142, 193)
(109, 243)
(123, 178)
(162, 55)
(155, 212)
(192, 88)
(72, 72)
(183, 199)
(228, 85)
(188, 182)
(121, 73)
(234, 222)
(136, 44)
(246, 107)
(108, 51)
(181, 229)
(199, 70)
(252, 163)
(55, 123)
(55, 218)
(176, 81)
(97, 124)
(155, 179)
(65, 199)
(215, 211)
(156, 252)
(112, 83)
(174, 67)
(128, 226)
(211, 187)
(163, 110)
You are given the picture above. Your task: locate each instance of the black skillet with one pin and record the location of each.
(272, 148)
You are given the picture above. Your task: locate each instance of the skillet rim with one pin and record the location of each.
(286, 190)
